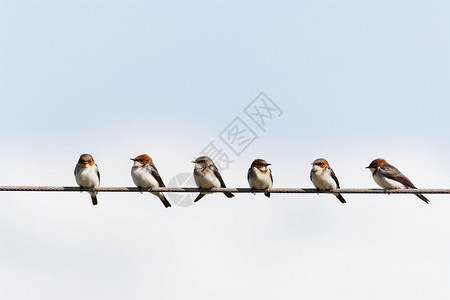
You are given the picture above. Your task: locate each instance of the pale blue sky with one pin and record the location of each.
(355, 81)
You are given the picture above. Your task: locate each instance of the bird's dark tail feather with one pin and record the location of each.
(423, 198)
(200, 196)
(94, 200)
(164, 201)
(229, 194)
(339, 196)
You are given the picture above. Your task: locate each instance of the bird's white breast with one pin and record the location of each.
(259, 180)
(387, 183)
(322, 179)
(87, 177)
(143, 178)
(207, 179)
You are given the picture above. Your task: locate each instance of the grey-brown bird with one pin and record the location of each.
(259, 176)
(206, 176)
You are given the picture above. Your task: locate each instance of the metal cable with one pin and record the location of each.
(220, 190)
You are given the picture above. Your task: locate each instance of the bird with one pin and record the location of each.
(146, 176)
(259, 176)
(323, 177)
(87, 175)
(206, 176)
(389, 177)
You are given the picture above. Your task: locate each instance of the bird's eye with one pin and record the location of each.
(202, 161)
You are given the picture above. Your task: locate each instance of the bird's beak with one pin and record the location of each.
(368, 167)
(132, 158)
(193, 161)
(268, 164)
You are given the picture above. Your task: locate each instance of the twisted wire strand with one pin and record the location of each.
(220, 190)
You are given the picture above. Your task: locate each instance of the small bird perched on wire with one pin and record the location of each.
(259, 176)
(87, 175)
(207, 176)
(323, 177)
(145, 176)
(389, 177)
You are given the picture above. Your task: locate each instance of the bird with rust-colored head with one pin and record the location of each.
(87, 174)
(259, 176)
(389, 177)
(323, 177)
(146, 176)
